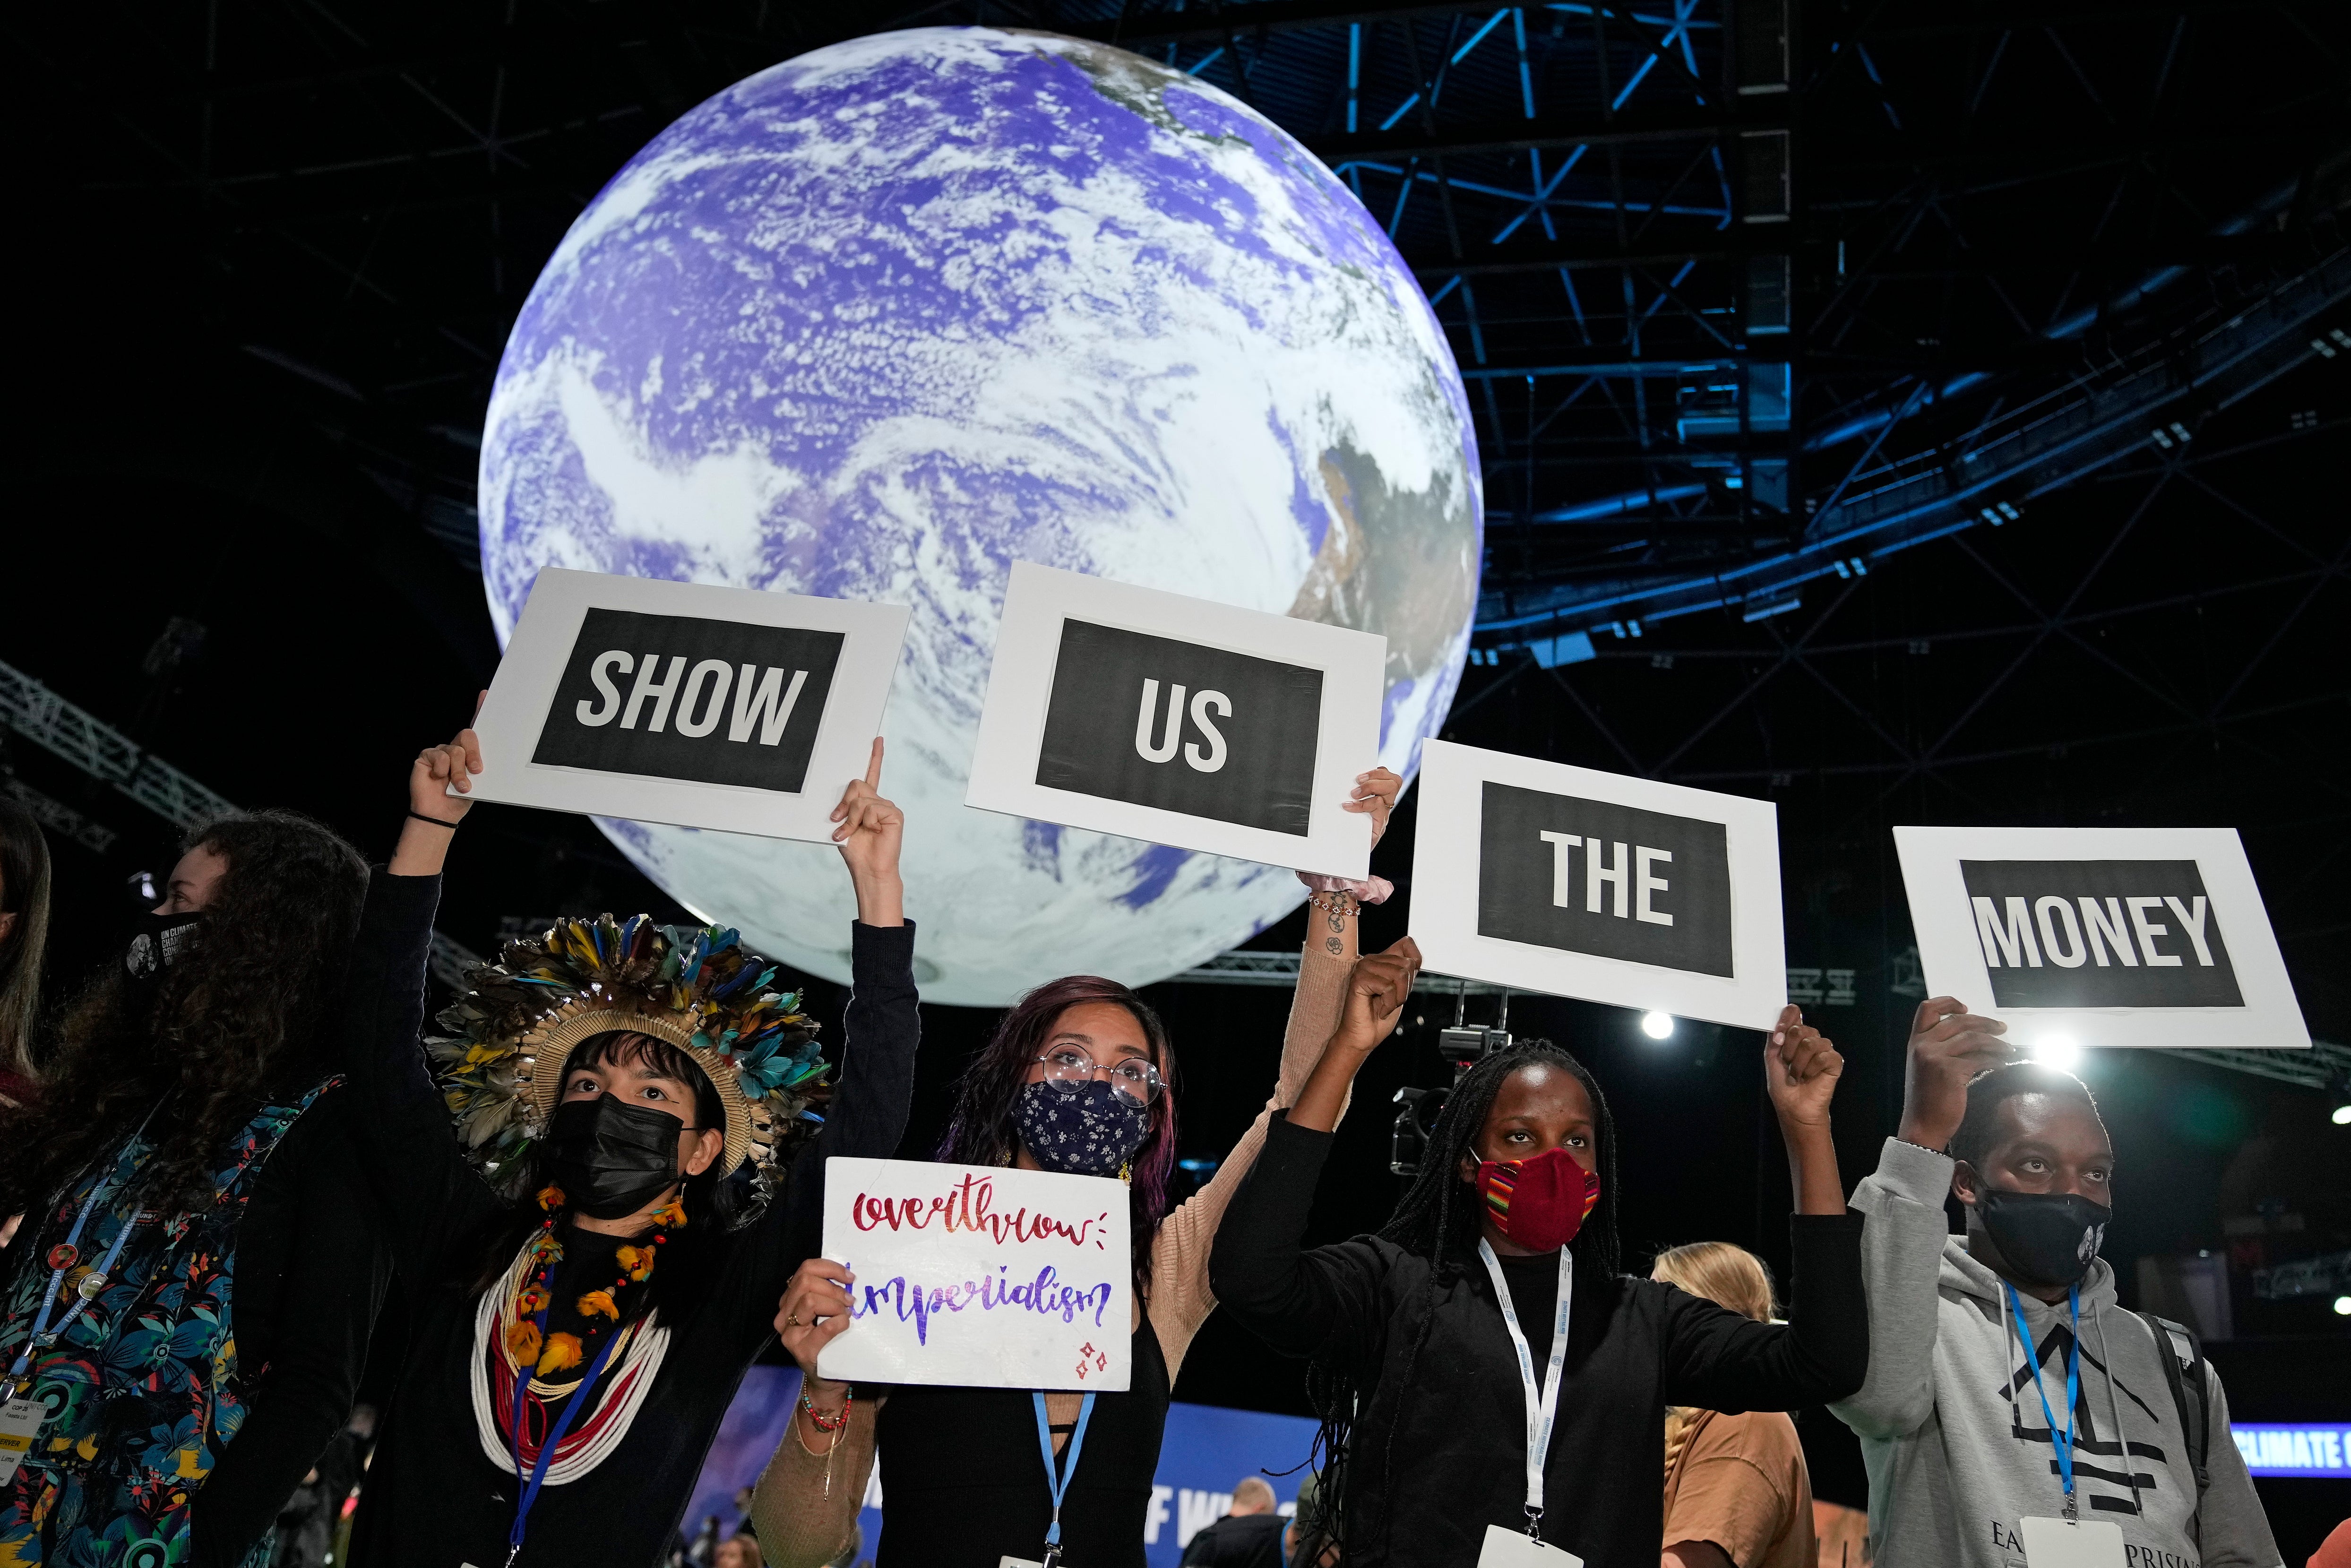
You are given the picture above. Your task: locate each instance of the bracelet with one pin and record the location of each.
(1338, 904)
(817, 1417)
(437, 821)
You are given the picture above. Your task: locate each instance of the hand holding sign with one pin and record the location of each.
(1801, 1069)
(1376, 793)
(1948, 1046)
(815, 1308)
(433, 811)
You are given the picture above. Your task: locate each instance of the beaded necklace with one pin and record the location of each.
(527, 1340)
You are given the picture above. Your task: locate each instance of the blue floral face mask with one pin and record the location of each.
(1089, 1133)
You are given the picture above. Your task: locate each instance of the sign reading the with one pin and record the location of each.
(675, 702)
(1179, 721)
(1549, 878)
(2151, 936)
(979, 1276)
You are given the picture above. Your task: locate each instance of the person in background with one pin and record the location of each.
(1076, 1079)
(737, 1550)
(200, 1265)
(1306, 1542)
(1737, 1493)
(24, 938)
(704, 1551)
(1978, 1343)
(1248, 1536)
(1494, 1295)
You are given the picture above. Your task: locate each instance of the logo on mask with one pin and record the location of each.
(159, 942)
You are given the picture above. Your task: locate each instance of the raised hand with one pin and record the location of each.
(1376, 793)
(814, 1310)
(1949, 1045)
(1801, 1069)
(869, 830)
(432, 812)
(1377, 990)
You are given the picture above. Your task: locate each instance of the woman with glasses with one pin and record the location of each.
(1076, 1079)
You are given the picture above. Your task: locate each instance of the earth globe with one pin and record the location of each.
(880, 321)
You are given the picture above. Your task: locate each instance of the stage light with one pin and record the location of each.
(2057, 1051)
(2343, 1306)
(2343, 1114)
(1657, 1026)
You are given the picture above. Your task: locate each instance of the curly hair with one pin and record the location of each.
(984, 1130)
(233, 1022)
(25, 893)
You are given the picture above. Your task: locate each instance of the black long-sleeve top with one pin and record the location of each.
(432, 1498)
(1439, 1455)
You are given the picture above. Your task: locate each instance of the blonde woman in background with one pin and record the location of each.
(1737, 1493)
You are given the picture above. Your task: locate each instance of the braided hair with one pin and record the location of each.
(1439, 1219)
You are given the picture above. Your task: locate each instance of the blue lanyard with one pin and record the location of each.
(1057, 1479)
(42, 1336)
(2064, 1441)
(529, 1493)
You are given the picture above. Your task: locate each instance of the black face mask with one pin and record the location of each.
(612, 1159)
(2048, 1237)
(157, 942)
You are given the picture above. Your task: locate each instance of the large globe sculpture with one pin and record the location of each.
(880, 321)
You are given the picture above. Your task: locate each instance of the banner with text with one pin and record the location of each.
(979, 1276)
(2140, 937)
(678, 702)
(1545, 877)
(1179, 721)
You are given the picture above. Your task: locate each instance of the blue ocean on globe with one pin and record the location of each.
(882, 319)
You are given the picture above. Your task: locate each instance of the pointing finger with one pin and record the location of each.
(873, 765)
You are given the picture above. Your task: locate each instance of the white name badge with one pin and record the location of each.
(1018, 1563)
(2062, 1543)
(1517, 1549)
(20, 1423)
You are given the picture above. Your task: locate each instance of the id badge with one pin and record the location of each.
(1517, 1549)
(20, 1423)
(2062, 1543)
(1018, 1563)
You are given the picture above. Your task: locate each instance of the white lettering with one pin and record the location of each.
(2192, 923)
(2149, 931)
(1595, 873)
(2069, 954)
(1646, 884)
(662, 692)
(595, 716)
(1196, 1510)
(711, 711)
(1201, 703)
(1157, 1515)
(1563, 882)
(2104, 923)
(760, 707)
(1174, 728)
(2013, 937)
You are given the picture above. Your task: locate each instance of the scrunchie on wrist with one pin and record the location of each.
(1371, 890)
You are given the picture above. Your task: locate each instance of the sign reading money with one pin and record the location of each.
(2101, 935)
(979, 1276)
(1544, 877)
(1179, 721)
(674, 702)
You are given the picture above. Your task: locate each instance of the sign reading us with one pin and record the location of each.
(1616, 881)
(678, 696)
(2099, 934)
(1154, 721)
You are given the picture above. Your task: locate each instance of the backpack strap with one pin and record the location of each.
(2182, 1355)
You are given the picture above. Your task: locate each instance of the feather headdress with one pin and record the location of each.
(501, 1065)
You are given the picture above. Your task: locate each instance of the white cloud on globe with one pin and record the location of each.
(878, 321)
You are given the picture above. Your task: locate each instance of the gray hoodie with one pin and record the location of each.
(1955, 1439)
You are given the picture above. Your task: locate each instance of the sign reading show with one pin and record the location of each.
(1182, 722)
(979, 1275)
(2109, 936)
(1544, 877)
(672, 702)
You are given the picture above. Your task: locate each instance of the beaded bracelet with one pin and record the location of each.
(1340, 904)
(818, 1420)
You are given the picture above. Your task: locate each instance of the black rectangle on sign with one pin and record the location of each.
(1157, 722)
(2099, 934)
(1612, 881)
(676, 696)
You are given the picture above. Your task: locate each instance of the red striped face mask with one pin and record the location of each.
(1539, 1203)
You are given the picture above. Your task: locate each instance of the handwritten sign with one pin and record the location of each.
(979, 1276)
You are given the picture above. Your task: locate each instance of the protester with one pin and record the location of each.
(1427, 1339)
(24, 938)
(1737, 1493)
(593, 1259)
(1248, 1536)
(190, 1297)
(1976, 1344)
(737, 1550)
(1307, 1543)
(1076, 1079)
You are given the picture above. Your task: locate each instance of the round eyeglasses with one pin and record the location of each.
(1070, 1070)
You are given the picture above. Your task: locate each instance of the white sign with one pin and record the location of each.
(1544, 877)
(678, 702)
(1179, 721)
(979, 1276)
(2109, 936)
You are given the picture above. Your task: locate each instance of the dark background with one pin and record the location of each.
(273, 249)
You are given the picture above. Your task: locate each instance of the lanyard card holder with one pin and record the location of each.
(1517, 1549)
(1018, 1563)
(20, 1423)
(2066, 1544)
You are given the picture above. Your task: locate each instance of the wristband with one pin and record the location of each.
(437, 821)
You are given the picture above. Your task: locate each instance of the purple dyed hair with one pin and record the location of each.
(984, 1132)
